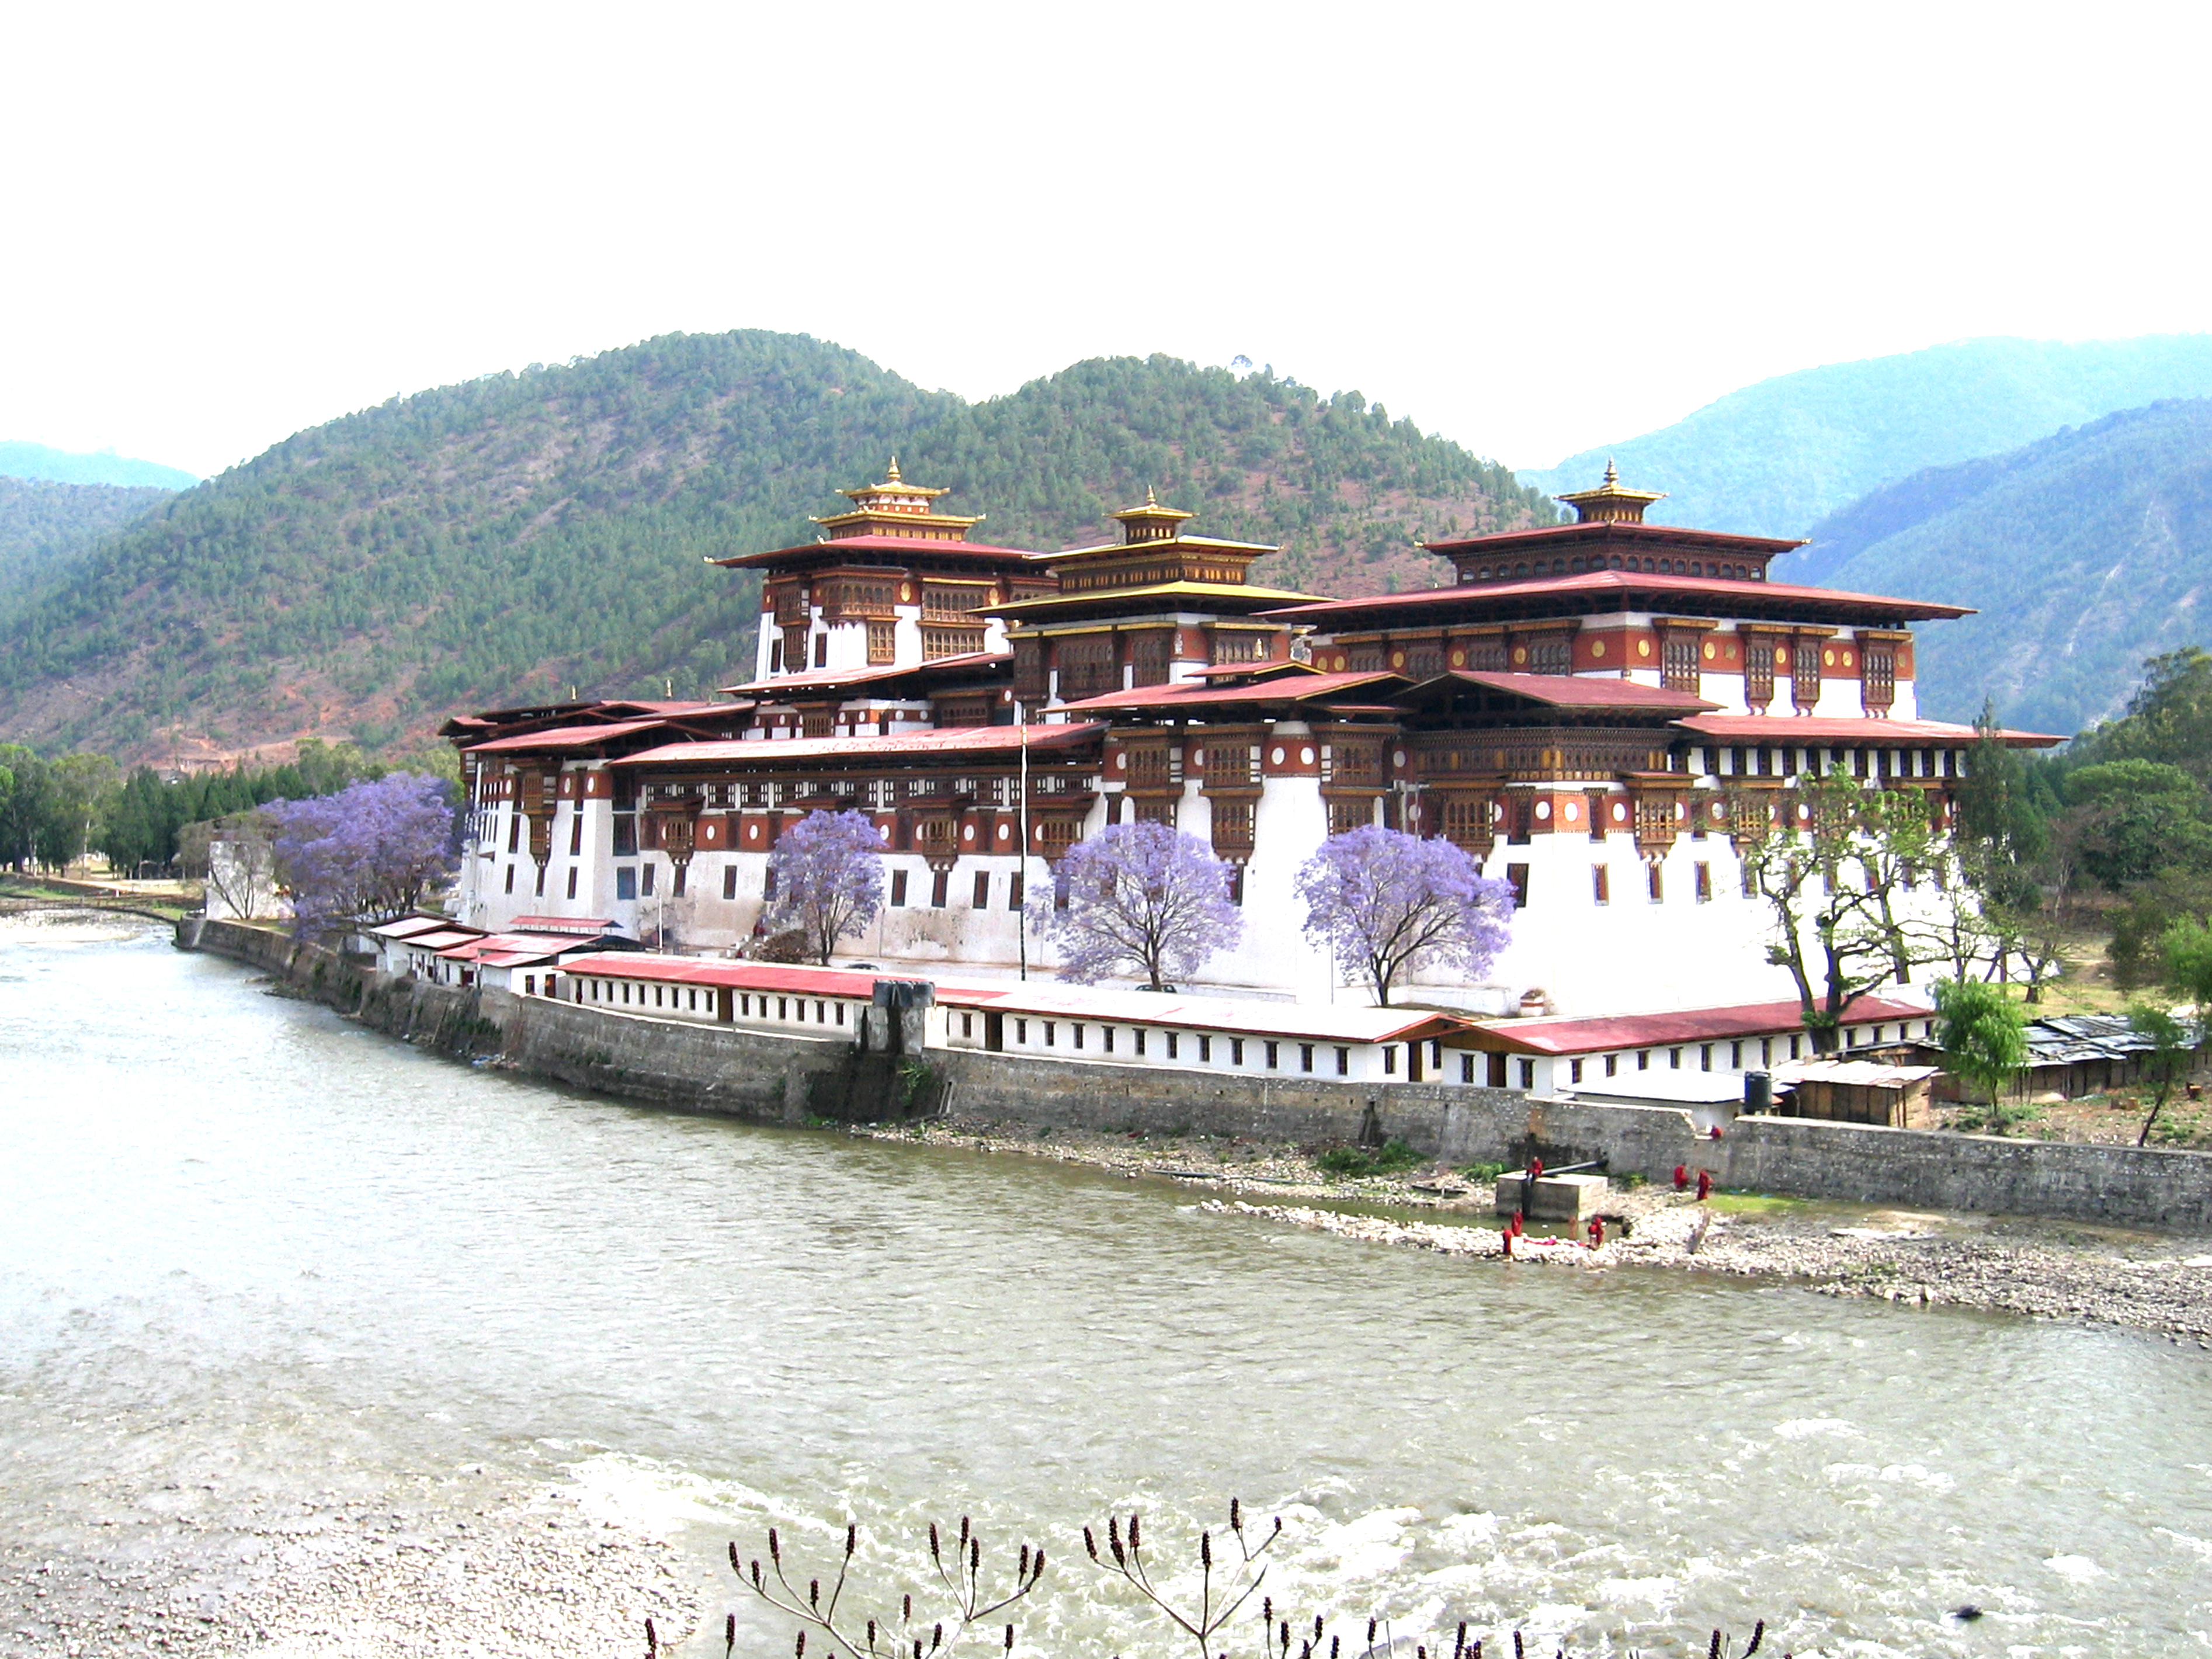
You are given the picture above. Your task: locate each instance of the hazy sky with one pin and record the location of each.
(1533, 227)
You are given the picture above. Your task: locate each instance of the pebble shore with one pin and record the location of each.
(2144, 1281)
(532, 1577)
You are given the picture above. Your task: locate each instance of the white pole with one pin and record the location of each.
(1022, 865)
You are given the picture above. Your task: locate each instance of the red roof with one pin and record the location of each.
(566, 737)
(1296, 688)
(837, 544)
(1566, 1034)
(1609, 583)
(1790, 729)
(836, 679)
(737, 975)
(1614, 530)
(1580, 690)
(949, 741)
(513, 950)
(593, 926)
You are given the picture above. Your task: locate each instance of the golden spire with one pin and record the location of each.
(1612, 473)
(891, 475)
(1150, 500)
(1609, 503)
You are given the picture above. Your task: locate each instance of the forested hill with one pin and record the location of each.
(1774, 459)
(41, 524)
(2083, 554)
(28, 460)
(508, 537)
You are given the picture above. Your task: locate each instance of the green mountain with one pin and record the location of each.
(43, 525)
(2083, 554)
(503, 539)
(1774, 459)
(22, 460)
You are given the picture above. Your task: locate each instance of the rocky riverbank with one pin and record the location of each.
(2050, 1270)
(183, 1573)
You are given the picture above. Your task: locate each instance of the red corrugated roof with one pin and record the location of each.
(1296, 688)
(799, 684)
(565, 737)
(836, 545)
(591, 925)
(408, 926)
(1565, 1034)
(1789, 729)
(782, 977)
(1581, 690)
(1611, 582)
(949, 741)
(1614, 530)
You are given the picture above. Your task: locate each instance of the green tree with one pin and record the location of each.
(2139, 818)
(2174, 1046)
(1984, 1036)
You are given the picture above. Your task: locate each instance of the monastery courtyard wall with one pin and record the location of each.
(773, 1078)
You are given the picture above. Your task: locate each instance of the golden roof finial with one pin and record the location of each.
(892, 474)
(1612, 473)
(1150, 500)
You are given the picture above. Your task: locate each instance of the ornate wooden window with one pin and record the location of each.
(1467, 822)
(1552, 653)
(1678, 667)
(940, 642)
(1150, 657)
(1805, 673)
(1232, 828)
(1089, 666)
(1235, 648)
(1424, 659)
(794, 650)
(1028, 671)
(1365, 660)
(1358, 765)
(936, 837)
(1759, 670)
(948, 604)
(1878, 677)
(1230, 765)
(883, 642)
(817, 722)
(1151, 768)
(1346, 816)
(1055, 837)
(1156, 810)
(1487, 655)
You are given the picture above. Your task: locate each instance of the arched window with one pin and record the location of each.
(1520, 569)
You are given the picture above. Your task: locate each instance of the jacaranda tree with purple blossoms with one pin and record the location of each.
(1145, 900)
(1386, 904)
(828, 869)
(363, 855)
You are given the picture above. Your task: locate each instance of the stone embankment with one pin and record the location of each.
(773, 1077)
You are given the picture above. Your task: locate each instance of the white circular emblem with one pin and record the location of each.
(1398, 758)
(1543, 810)
(1278, 757)
(1003, 833)
(1305, 757)
(1620, 812)
(967, 832)
(1568, 811)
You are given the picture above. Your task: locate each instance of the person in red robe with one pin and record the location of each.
(1704, 1185)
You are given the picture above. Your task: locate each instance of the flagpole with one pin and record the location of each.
(1022, 866)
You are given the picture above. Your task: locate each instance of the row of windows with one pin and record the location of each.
(695, 1000)
(1141, 1037)
(1769, 1048)
(1654, 883)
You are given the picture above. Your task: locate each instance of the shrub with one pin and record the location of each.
(1357, 1161)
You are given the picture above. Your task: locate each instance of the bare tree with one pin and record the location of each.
(241, 867)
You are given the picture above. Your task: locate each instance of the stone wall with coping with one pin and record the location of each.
(773, 1077)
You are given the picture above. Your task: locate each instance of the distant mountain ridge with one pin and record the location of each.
(512, 537)
(2083, 553)
(43, 525)
(28, 460)
(1775, 458)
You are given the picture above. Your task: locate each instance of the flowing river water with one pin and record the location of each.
(252, 1252)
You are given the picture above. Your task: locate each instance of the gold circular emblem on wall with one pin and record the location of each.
(1828, 660)
(1519, 654)
(1459, 659)
(1643, 647)
(1397, 660)
(1597, 647)
(1781, 657)
(1847, 659)
(1709, 650)
(906, 592)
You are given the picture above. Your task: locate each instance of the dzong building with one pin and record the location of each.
(1575, 706)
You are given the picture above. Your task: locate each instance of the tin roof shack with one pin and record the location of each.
(1857, 1091)
(2070, 1057)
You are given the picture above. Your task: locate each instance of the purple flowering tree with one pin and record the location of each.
(829, 872)
(362, 855)
(1145, 900)
(1386, 904)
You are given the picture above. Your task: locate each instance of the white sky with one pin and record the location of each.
(1534, 227)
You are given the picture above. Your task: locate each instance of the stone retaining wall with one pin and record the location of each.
(771, 1077)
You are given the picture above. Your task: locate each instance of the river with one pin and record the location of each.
(248, 1250)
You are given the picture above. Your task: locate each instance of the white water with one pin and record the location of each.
(249, 1246)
